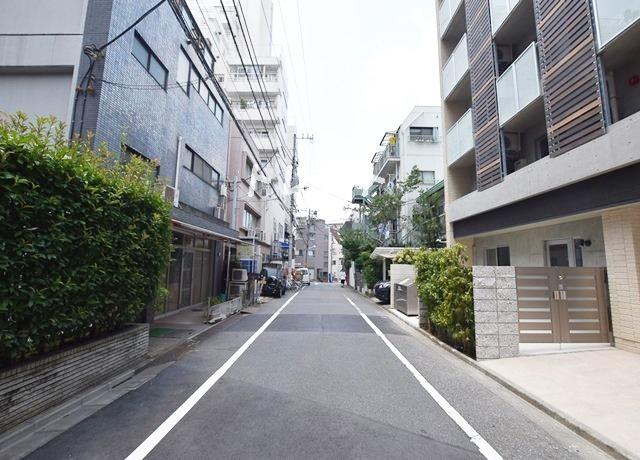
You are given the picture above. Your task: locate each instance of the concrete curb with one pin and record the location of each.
(595, 438)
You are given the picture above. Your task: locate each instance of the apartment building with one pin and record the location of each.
(138, 78)
(416, 143)
(540, 108)
(254, 82)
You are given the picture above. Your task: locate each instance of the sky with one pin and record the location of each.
(355, 70)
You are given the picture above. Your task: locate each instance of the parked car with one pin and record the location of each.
(382, 290)
(272, 280)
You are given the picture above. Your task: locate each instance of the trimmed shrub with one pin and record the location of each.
(83, 239)
(445, 286)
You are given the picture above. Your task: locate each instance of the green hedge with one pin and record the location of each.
(83, 239)
(445, 286)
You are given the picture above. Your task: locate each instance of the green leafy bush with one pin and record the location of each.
(406, 256)
(83, 239)
(445, 286)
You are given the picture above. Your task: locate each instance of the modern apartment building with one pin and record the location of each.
(312, 245)
(416, 143)
(138, 76)
(254, 82)
(540, 108)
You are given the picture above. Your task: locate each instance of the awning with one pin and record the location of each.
(195, 220)
(216, 235)
(388, 253)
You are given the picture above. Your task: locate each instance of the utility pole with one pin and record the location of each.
(295, 181)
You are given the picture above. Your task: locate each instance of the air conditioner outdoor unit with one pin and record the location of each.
(235, 290)
(512, 142)
(239, 275)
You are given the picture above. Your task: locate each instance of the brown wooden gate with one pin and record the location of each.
(562, 305)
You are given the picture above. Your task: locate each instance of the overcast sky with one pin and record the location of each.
(367, 64)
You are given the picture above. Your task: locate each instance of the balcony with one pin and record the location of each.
(500, 10)
(383, 161)
(613, 18)
(456, 67)
(447, 13)
(519, 86)
(460, 138)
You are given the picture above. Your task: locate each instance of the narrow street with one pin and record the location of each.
(333, 376)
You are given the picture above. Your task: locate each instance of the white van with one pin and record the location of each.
(303, 275)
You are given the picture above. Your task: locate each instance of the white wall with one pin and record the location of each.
(40, 50)
(526, 247)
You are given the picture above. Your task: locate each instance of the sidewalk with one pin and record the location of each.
(596, 393)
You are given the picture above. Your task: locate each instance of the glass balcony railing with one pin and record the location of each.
(456, 67)
(519, 85)
(614, 17)
(500, 9)
(447, 10)
(460, 138)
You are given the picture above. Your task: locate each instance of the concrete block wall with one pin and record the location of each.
(496, 312)
(622, 247)
(29, 389)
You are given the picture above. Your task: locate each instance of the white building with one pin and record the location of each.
(253, 79)
(416, 143)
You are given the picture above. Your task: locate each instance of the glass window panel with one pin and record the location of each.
(183, 71)
(197, 277)
(613, 17)
(140, 51)
(157, 71)
(173, 279)
(195, 80)
(187, 158)
(503, 256)
(527, 78)
(206, 274)
(506, 86)
(491, 257)
(558, 255)
(204, 92)
(187, 270)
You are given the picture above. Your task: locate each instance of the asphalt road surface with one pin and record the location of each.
(323, 373)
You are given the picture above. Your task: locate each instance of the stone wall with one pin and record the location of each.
(496, 312)
(29, 389)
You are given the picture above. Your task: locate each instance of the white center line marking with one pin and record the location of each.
(154, 438)
(485, 448)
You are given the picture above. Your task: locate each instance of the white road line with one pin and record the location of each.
(154, 438)
(485, 448)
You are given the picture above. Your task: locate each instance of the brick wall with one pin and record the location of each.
(622, 247)
(29, 389)
(496, 312)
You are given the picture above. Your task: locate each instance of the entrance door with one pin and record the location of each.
(560, 253)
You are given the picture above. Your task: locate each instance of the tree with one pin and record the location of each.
(385, 207)
(426, 220)
(354, 243)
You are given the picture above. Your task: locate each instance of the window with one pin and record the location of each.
(498, 256)
(128, 153)
(189, 79)
(428, 177)
(201, 168)
(184, 68)
(249, 220)
(423, 134)
(149, 61)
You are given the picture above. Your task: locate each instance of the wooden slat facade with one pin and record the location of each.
(570, 80)
(489, 170)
